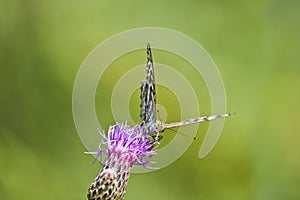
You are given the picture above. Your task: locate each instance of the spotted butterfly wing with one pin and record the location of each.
(148, 96)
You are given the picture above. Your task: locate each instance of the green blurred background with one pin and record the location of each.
(255, 45)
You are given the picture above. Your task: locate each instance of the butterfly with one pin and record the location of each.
(148, 105)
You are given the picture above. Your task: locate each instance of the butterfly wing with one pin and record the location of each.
(195, 120)
(148, 93)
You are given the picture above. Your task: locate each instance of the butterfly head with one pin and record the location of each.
(159, 126)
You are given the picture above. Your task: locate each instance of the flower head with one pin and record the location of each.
(126, 146)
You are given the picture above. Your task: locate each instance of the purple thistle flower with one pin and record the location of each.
(126, 147)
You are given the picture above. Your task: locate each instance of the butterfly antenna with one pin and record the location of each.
(158, 114)
(186, 135)
(194, 138)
